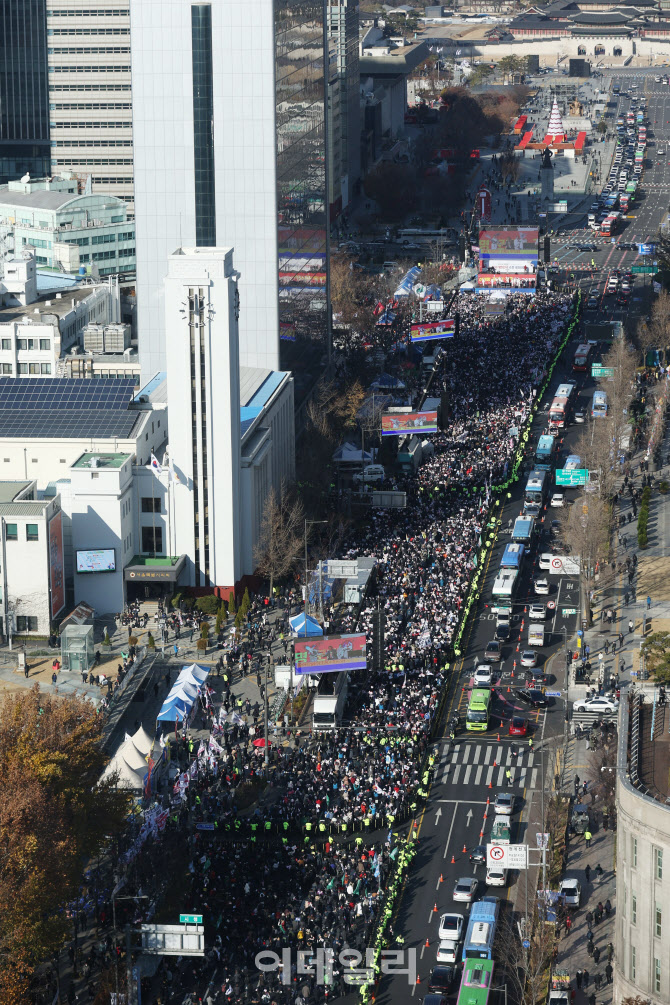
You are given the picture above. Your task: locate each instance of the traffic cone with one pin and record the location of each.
(491, 783)
(435, 906)
(464, 850)
(453, 860)
(487, 801)
(427, 944)
(441, 880)
(509, 688)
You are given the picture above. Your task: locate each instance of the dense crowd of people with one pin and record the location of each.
(269, 884)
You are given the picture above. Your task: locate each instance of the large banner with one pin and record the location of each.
(423, 331)
(56, 570)
(508, 242)
(400, 423)
(337, 652)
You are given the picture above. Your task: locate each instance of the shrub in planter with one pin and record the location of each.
(207, 605)
(150, 641)
(663, 487)
(201, 645)
(204, 630)
(132, 641)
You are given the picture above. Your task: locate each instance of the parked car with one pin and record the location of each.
(571, 891)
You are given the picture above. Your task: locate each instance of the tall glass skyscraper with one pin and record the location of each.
(24, 98)
(229, 133)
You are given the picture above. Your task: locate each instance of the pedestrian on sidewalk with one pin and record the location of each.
(589, 919)
(592, 999)
(599, 872)
(608, 907)
(625, 599)
(585, 978)
(587, 838)
(610, 952)
(597, 980)
(607, 649)
(631, 626)
(568, 925)
(587, 873)
(648, 603)
(608, 973)
(578, 977)
(596, 955)
(620, 639)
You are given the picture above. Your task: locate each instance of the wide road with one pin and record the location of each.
(459, 813)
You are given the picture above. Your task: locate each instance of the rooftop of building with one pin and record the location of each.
(67, 408)
(28, 507)
(10, 490)
(53, 201)
(54, 303)
(256, 388)
(404, 59)
(93, 460)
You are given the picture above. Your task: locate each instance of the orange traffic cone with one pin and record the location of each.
(427, 944)
(453, 860)
(464, 850)
(418, 979)
(441, 880)
(495, 764)
(435, 908)
(491, 783)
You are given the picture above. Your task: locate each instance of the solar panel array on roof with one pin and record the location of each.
(55, 407)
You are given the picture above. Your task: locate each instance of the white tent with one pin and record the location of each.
(130, 761)
(194, 673)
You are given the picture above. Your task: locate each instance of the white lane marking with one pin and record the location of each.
(479, 774)
(446, 847)
(466, 776)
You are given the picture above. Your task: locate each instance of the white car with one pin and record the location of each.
(536, 612)
(571, 891)
(451, 927)
(483, 676)
(504, 804)
(528, 658)
(557, 500)
(541, 587)
(447, 951)
(579, 417)
(465, 889)
(545, 564)
(495, 876)
(596, 704)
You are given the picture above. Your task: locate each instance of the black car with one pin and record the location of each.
(627, 245)
(502, 633)
(442, 979)
(435, 999)
(529, 696)
(588, 247)
(478, 854)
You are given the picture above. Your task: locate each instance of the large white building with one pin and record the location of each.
(90, 108)
(230, 147)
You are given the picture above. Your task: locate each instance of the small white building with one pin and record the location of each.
(31, 551)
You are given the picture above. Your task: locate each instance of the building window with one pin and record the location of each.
(45, 344)
(633, 909)
(23, 368)
(45, 368)
(25, 623)
(633, 852)
(658, 862)
(203, 117)
(11, 532)
(6, 367)
(658, 921)
(32, 532)
(152, 540)
(657, 975)
(34, 368)
(633, 962)
(6, 343)
(150, 504)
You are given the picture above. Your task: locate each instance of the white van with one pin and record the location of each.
(371, 473)
(536, 635)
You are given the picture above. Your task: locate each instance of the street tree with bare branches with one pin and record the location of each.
(281, 537)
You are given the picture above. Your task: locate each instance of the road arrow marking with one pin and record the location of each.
(468, 817)
(438, 815)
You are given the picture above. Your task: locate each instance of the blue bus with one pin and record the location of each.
(512, 556)
(536, 489)
(599, 405)
(545, 448)
(481, 931)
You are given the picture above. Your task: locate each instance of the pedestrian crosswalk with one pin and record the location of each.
(487, 764)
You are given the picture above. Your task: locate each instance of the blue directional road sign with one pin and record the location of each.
(553, 694)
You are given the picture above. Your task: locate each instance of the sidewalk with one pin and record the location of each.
(573, 955)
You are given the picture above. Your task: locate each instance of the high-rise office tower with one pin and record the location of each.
(344, 104)
(24, 100)
(90, 110)
(229, 106)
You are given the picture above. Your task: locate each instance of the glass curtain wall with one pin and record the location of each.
(24, 100)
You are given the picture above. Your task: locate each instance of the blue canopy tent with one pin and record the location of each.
(312, 629)
(174, 710)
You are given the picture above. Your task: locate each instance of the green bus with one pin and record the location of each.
(477, 716)
(476, 982)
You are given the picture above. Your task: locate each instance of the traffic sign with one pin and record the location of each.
(507, 856)
(190, 919)
(567, 611)
(643, 270)
(601, 371)
(496, 853)
(526, 944)
(578, 476)
(580, 633)
(174, 940)
(553, 694)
